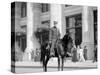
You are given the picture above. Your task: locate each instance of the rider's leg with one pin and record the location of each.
(52, 48)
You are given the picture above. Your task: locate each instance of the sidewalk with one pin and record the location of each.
(67, 64)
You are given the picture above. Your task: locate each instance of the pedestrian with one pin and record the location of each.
(74, 54)
(95, 54)
(81, 55)
(85, 52)
(78, 53)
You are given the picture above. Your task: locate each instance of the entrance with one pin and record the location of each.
(74, 26)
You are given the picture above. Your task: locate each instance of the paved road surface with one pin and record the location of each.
(33, 67)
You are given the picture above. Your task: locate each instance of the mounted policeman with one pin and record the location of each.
(54, 35)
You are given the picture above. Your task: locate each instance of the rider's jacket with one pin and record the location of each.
(54, 34)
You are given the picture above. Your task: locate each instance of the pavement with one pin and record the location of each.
(30, 67)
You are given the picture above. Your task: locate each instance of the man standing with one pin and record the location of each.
(53, 37)
(85, 52)
(81, 55)
(95, 54)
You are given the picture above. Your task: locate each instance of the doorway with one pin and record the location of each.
(74, 26)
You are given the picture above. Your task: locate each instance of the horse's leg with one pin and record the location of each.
(62, 66)
(46, 61)
(58, 63)
(43, 64)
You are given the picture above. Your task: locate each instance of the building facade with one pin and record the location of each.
(32, 21)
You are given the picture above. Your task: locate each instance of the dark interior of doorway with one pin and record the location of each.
(77, 27)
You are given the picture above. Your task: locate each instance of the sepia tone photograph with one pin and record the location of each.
(49, 37)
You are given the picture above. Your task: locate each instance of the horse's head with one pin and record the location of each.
(67, 42)
(48, 46)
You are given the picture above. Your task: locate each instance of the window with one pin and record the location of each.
(45, 7)
(23, 10)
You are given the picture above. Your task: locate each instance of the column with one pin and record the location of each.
(88, 31)
(32, 22)
(56, 14)
(37, 12)
(72, 24)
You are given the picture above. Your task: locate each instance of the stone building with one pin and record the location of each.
(29, 18)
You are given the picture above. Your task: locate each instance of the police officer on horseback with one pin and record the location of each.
(53, 37)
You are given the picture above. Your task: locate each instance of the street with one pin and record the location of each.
(34, 67)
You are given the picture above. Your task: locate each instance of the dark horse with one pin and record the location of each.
(61, 49)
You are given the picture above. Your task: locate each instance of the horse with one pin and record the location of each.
(60, 50)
